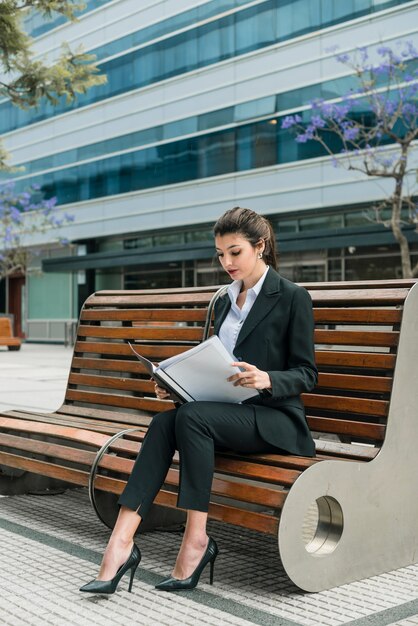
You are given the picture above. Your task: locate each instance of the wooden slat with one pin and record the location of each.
(369, 360)
(393, 283)
(113, 423)
(112, 382)
(108, 365)
(122, 349)
(55, 450)
(46, 429)
(357, 316)
(360, 406)
(75, 476)
(372, 384)
(356, 338)
(81, 424)
(102, 414)
(238, 517)
(173, 291)
(247, 469)
(290, 461)
(359, 297)
(364, 430)
(169, 333)
(131, 300)
(130, 315)
(125, 402)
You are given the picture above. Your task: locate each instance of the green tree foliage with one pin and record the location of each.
(25, 78)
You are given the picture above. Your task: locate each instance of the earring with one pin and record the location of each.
(260, 255)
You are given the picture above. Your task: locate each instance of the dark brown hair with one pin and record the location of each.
(252, 227)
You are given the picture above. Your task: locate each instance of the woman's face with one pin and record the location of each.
(239, 257)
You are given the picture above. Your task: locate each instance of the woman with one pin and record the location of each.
(266, 322)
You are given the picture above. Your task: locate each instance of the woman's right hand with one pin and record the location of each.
(161, 393)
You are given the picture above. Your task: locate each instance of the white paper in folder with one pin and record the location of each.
(199, 373)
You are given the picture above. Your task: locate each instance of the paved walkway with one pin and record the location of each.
(50, 545)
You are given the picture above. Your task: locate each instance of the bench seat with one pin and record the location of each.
(6, 335)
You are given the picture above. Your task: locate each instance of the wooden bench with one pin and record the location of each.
(6, 335)
(347, 514)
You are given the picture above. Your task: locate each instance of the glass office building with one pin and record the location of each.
(188, 125)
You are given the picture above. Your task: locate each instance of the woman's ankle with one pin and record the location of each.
(196, 541)
(120, 542)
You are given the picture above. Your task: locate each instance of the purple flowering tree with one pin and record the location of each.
(23, 215)
(372, 130)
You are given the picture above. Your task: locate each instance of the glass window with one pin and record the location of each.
(126, 172)
(166, 277)
(255, 28)
(216, 154)
(244, 136)
(120, 74)
(97, 182)
(199, 235)
(208, 273)
(287, 148)
(109, 245)
(215, 41)
(216, 118)
(287, 226)
(179, 54)
(321, 222)
(372, 268)
(168, 239)
(255, 108)
(264, 143)
(298, 17)
(335, 269)
(356, 218)
(186, 126)
(330, 10)
(138, 242)
(111, 169)
(179, 161)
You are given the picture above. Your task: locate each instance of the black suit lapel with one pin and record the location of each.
(265, 301)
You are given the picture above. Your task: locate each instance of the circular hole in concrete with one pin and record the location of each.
(323, 526)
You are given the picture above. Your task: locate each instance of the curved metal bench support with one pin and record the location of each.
(209, 312)
(95, 467)
(367, 512)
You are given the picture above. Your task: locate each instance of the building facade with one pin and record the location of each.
(187, 126)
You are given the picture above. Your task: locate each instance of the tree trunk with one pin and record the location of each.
(395, 224)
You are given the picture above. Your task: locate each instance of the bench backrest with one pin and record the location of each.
(356, 336)
(5, 327)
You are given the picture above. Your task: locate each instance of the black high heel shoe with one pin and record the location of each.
(176, 584)
(110, 586)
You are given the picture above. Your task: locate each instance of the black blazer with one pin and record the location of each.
(277, 337)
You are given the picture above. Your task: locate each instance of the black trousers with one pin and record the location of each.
(195, 429)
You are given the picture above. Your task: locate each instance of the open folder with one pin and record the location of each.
(199, 373)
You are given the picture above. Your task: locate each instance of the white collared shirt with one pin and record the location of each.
(232, 324)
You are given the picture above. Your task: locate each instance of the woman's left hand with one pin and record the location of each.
(252, 377)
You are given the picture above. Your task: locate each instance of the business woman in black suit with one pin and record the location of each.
(266, 322)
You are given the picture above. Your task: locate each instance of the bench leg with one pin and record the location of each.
(367, 512)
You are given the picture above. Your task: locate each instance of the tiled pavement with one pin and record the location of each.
(50, 545)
